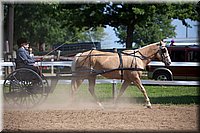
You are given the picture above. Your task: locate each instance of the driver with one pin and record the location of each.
(23, 57)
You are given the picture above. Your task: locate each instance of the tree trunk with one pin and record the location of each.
(129, 37)
(10, 26)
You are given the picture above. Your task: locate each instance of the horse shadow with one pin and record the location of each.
(176, 100)
(187, 99)
(172, 100)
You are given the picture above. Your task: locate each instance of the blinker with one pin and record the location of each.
(163, 50)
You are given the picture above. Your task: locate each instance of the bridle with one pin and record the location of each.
(162, 52)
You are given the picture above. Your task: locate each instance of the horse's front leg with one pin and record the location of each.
(92, 81)
(138, 83)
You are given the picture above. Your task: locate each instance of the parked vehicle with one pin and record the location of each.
(185, 64)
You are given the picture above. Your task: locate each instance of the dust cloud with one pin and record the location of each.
(60, 99)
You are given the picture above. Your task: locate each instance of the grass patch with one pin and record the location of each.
(157, 94)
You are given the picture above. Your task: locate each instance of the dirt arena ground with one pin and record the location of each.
(121, 118)
(84, 115)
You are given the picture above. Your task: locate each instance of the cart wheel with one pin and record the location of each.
(24, 88)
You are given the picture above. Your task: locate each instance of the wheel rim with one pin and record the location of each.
(162, 77)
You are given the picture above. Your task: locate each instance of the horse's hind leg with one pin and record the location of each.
(125, 84)
(138, 83)
(75, 84)
(92, 81)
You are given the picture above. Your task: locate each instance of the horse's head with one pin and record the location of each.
(163, 54)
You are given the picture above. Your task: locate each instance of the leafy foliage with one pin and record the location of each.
(43, 23)
(154, 29)
(147, 23)
(137, 22)
(133, 22)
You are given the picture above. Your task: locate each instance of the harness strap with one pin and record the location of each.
(142, 57)
(121, 65)
(122, 69)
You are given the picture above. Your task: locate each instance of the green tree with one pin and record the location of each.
(52, 23)
(148, 22)
(37, 23)
(119, 15)
(153, 30)
(91, 34)
(133, 15)
(40, 23)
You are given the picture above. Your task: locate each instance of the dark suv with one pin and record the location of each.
(184, 66)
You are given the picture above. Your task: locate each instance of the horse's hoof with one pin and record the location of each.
(149, 106)
(100, 105)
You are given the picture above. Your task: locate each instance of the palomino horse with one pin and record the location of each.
(127, 66)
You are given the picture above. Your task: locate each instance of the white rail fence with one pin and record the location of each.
(53, 64)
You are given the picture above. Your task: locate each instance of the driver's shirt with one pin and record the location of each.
(24, 57)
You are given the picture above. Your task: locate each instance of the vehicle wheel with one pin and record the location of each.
(160, 75)
(24, 88)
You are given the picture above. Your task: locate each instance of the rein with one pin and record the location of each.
(142, 57)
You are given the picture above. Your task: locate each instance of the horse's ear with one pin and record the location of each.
(161, 43)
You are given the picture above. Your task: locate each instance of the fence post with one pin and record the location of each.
(58, 56)
(114, 88)
(52, 68)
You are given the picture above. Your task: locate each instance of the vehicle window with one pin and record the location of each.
(194, 56)
(177, 56)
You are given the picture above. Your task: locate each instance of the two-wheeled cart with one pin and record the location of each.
(25, 88)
